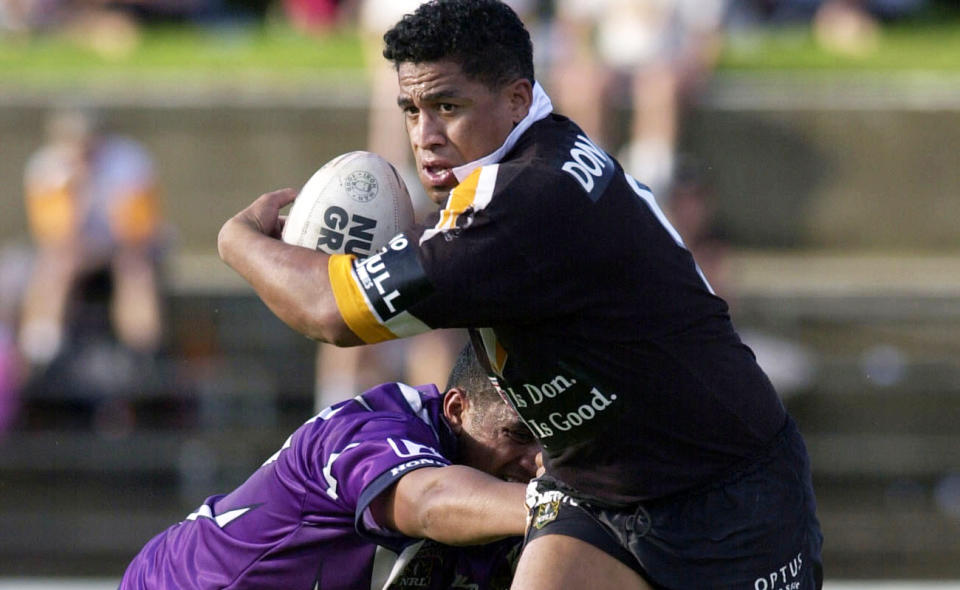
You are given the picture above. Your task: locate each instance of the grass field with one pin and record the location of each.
(930, 46)
(270, 54)
(277, 54)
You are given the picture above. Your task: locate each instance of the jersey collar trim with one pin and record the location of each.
(539, 109)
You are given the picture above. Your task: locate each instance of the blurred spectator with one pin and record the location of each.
(9, 379)
(658, 52)
(312, 16)
(94, 216)
(14, 271)
(793, 10)
(844, 27)
(112, 28)
(102, 27)
(22, 16)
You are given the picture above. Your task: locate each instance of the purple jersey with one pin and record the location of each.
(302, 519)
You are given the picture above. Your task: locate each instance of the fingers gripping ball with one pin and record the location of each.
(354, 204)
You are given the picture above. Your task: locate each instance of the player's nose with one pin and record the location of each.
(428, 131)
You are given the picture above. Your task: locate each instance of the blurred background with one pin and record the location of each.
(807, 150)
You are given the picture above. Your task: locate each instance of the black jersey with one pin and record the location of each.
(598, 325)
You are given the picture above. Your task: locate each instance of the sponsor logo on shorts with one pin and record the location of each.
(545, 505)
(361, 186)
(787, 577)
(544, 514)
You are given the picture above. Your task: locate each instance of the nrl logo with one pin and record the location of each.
(546, 513)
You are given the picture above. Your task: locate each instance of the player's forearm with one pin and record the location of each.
(292, 281)
(458, 505)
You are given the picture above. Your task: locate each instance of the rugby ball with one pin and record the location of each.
(354, 204)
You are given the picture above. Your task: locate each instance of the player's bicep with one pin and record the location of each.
(383, 513)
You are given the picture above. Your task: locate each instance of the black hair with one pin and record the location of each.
(468, 376)
(485, 37)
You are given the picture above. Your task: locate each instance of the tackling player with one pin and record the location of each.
(341, 505)
(670, 459)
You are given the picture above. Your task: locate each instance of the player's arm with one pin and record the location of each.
(291, 280)
(455, 505)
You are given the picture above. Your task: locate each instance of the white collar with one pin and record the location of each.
(540, 107)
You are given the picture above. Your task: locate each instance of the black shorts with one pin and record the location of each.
(757, 529)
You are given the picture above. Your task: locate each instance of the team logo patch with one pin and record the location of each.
(361, 186)
(546, 513)
(544, 505)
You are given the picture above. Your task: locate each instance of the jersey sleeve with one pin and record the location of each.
(50, 203)
(367, 462)
(133, 210)
(489, 257)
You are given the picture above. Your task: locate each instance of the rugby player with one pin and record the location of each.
(670, 460)
(341, 505)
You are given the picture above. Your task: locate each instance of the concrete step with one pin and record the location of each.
(896, 413)
(890, 545)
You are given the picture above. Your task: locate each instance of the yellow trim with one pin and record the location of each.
(501, 359)
(136, 218)
(351, 302)
(461, 198)
(51, 215)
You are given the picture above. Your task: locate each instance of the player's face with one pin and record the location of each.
(453, 120)
(495, 441)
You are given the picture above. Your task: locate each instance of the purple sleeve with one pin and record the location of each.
(374, 457)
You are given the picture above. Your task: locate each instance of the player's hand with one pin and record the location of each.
(539, 462)
(262, 217)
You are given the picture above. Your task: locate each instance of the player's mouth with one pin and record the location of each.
(439, 176)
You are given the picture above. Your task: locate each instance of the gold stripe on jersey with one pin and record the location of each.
(352, 303)
(494, 351)
(501, 359)
(461, 198)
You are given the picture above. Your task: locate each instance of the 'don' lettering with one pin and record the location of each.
(586, 163)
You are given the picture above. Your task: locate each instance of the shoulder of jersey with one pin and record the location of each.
(354, 204)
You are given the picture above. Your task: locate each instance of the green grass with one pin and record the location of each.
(927, 47)
(277, 54)
(272, 52)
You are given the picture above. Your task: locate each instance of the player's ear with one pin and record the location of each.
(520, 94)
(454, 408)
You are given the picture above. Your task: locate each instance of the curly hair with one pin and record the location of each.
(485, 37)
(468, 375)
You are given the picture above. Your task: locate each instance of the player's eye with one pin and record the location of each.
(446, 108)
(519, 434)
